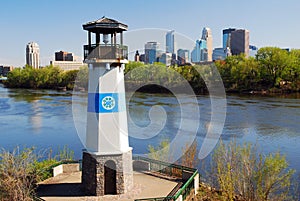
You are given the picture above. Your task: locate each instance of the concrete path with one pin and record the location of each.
(66, 187)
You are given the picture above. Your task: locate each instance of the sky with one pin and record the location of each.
(57, 24)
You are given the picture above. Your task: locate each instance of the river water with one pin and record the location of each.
(44, 119)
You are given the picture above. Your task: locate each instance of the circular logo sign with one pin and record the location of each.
(108, 103)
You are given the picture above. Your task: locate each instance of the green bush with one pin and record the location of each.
(241, 172)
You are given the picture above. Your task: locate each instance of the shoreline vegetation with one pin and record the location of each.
(237, 172)
(272, 71)
(21, 169)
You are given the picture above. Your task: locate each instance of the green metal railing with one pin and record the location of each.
(170, 170)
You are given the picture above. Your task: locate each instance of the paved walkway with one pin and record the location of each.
(66, 187)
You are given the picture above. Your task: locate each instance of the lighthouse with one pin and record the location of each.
(107, 160)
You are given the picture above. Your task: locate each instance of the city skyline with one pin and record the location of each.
(270, 24)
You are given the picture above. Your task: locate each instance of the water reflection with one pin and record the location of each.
(36, 119)
(43, 118)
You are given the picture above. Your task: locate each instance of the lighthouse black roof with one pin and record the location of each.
(105, 25)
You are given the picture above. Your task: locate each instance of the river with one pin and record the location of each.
(44, 119)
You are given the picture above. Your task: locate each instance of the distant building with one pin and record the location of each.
(137, 56)
(183, 56)
(227, 37)
(219, 54)
(151, 52)
(203, 49)
(170, 42)
(66, 61)
(199, 53)
(207, 36)
(166, 58)
(4, 70)
(64, 56)
(33, 55)
(68, 65)
(239, 42)
(142, 58)
(252, 50)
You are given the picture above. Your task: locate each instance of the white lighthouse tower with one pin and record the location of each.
(107, 161)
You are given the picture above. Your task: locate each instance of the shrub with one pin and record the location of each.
(240, 171)
(17, 175)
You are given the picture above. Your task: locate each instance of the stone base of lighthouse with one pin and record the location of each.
(107, 174)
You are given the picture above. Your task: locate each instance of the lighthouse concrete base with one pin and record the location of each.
(107, 174)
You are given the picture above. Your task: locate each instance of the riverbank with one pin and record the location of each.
(157, 89)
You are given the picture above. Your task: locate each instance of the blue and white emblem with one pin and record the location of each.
(108, 103)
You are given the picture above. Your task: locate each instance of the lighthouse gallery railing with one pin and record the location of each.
(102, 51)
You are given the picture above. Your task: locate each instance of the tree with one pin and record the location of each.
(292, 72)
(68, 78)
(272, 61)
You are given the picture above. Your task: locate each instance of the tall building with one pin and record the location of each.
(203, 49)
(166, 58)
(33, 55)
(236, 40)
(207, 36)
(64, 56)
(227, 37)
(239, 42)
(170, 42)
(199, 53)
(151, 52)
(183, 56)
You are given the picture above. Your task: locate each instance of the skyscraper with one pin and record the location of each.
(227, 37)
(33, 55)
(151, 52)
(207, 36)
(203, 49)
(170, 42)
(239, 42)
(199, 52)
(236, 41)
